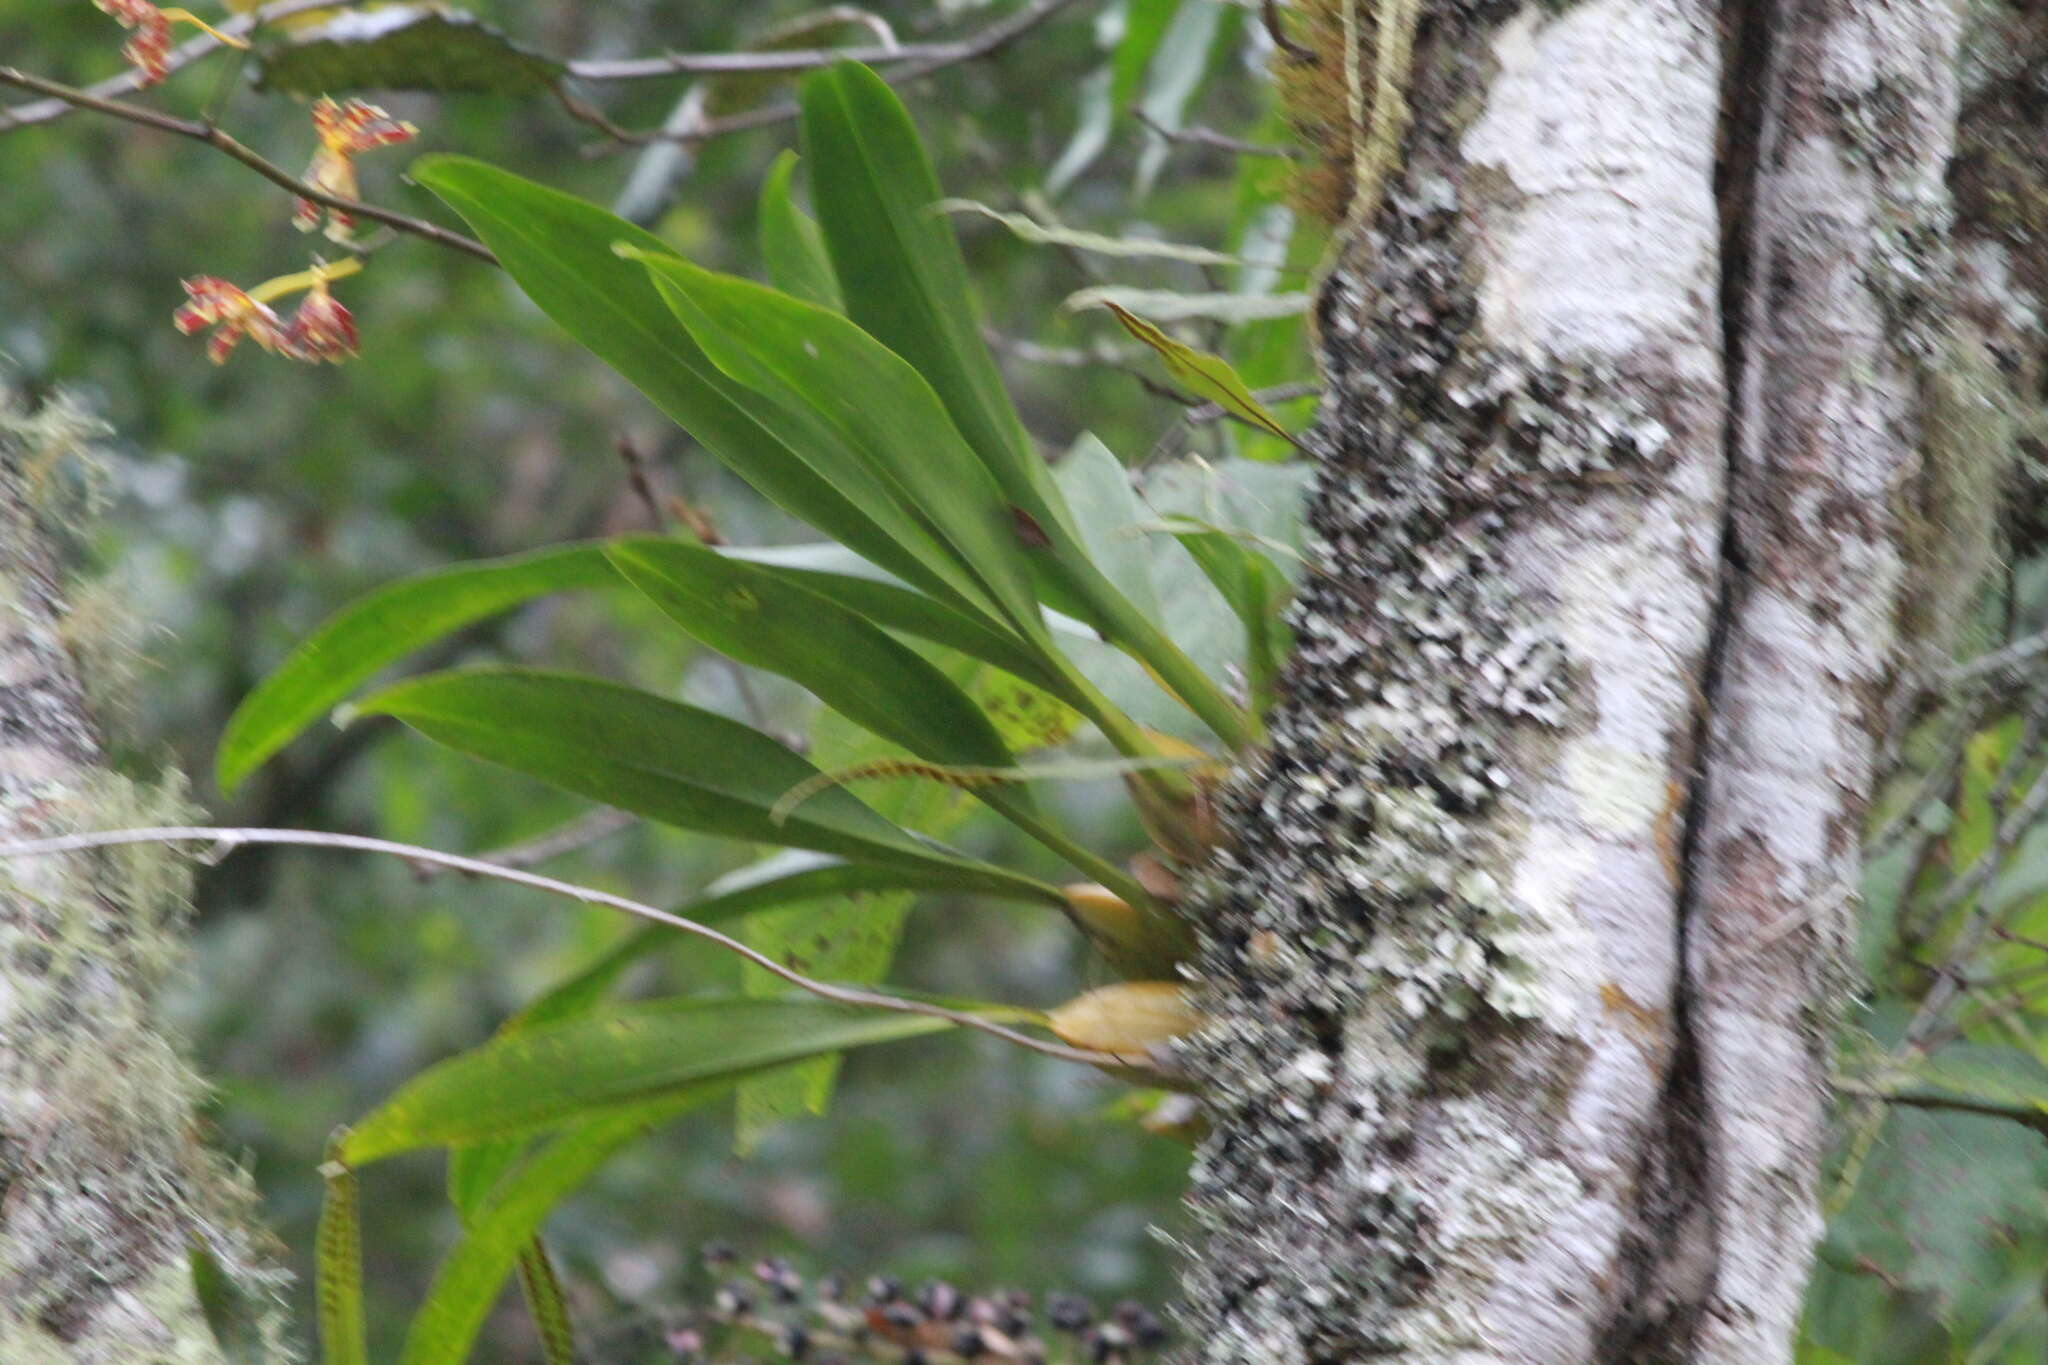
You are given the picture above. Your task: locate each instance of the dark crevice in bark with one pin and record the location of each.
(1657, 1315)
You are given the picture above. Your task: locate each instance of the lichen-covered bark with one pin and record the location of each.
(1523, 957)
(1840, 317)
(1445, 950)
(106, 1188)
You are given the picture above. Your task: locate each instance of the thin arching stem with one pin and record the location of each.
(226, 840)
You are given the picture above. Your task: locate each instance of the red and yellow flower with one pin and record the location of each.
(149, 51)
(321, 328)
(345, 130)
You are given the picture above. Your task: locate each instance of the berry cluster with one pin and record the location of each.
(824, 1322)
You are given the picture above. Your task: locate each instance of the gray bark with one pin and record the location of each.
(107, 1190)
(1524, 958)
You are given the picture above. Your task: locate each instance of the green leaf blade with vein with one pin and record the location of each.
(751, 615)
(791, 246)
(906, 285)
(596, 1064)
(360, 640)
(559, 250)
(802, 357)
(665, 760)
(907, 612)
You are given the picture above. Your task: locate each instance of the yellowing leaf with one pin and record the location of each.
(1208, 376)
(1129, 1018)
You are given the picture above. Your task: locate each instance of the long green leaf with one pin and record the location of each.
(665, 760)
(851, 665)
(559, 250)
(802, 357)
(591, 1066)
(859, 670)
(374, 631)
(906, 285)
(792, 248)
(907, 612)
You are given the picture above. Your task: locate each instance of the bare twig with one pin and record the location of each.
(585, 830)
(1938, 778)
(929, 56)
(1091, 357)
(222, 142)
(2008, 660)
(1208, 137)
(2031, 1118)
(1278, 393)
(226, 839)
(184, 54)
(1175, 437)
(936, 57)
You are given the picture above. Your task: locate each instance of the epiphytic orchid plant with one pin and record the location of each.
(958, 624)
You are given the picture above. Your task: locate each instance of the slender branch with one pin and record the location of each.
(581, 832)
(1205, 413)
(1097, 356)
(184, 54)
(226, 840)
(2008, 661)
(930, 56)
(2031, 1118)
(1175, 437)
(1208, 137)
(222, 142)
(938, 56)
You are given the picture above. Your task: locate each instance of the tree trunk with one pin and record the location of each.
(124, 1240)
(1525, 958)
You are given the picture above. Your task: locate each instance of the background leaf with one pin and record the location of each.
(792, 248)
(403, 47)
